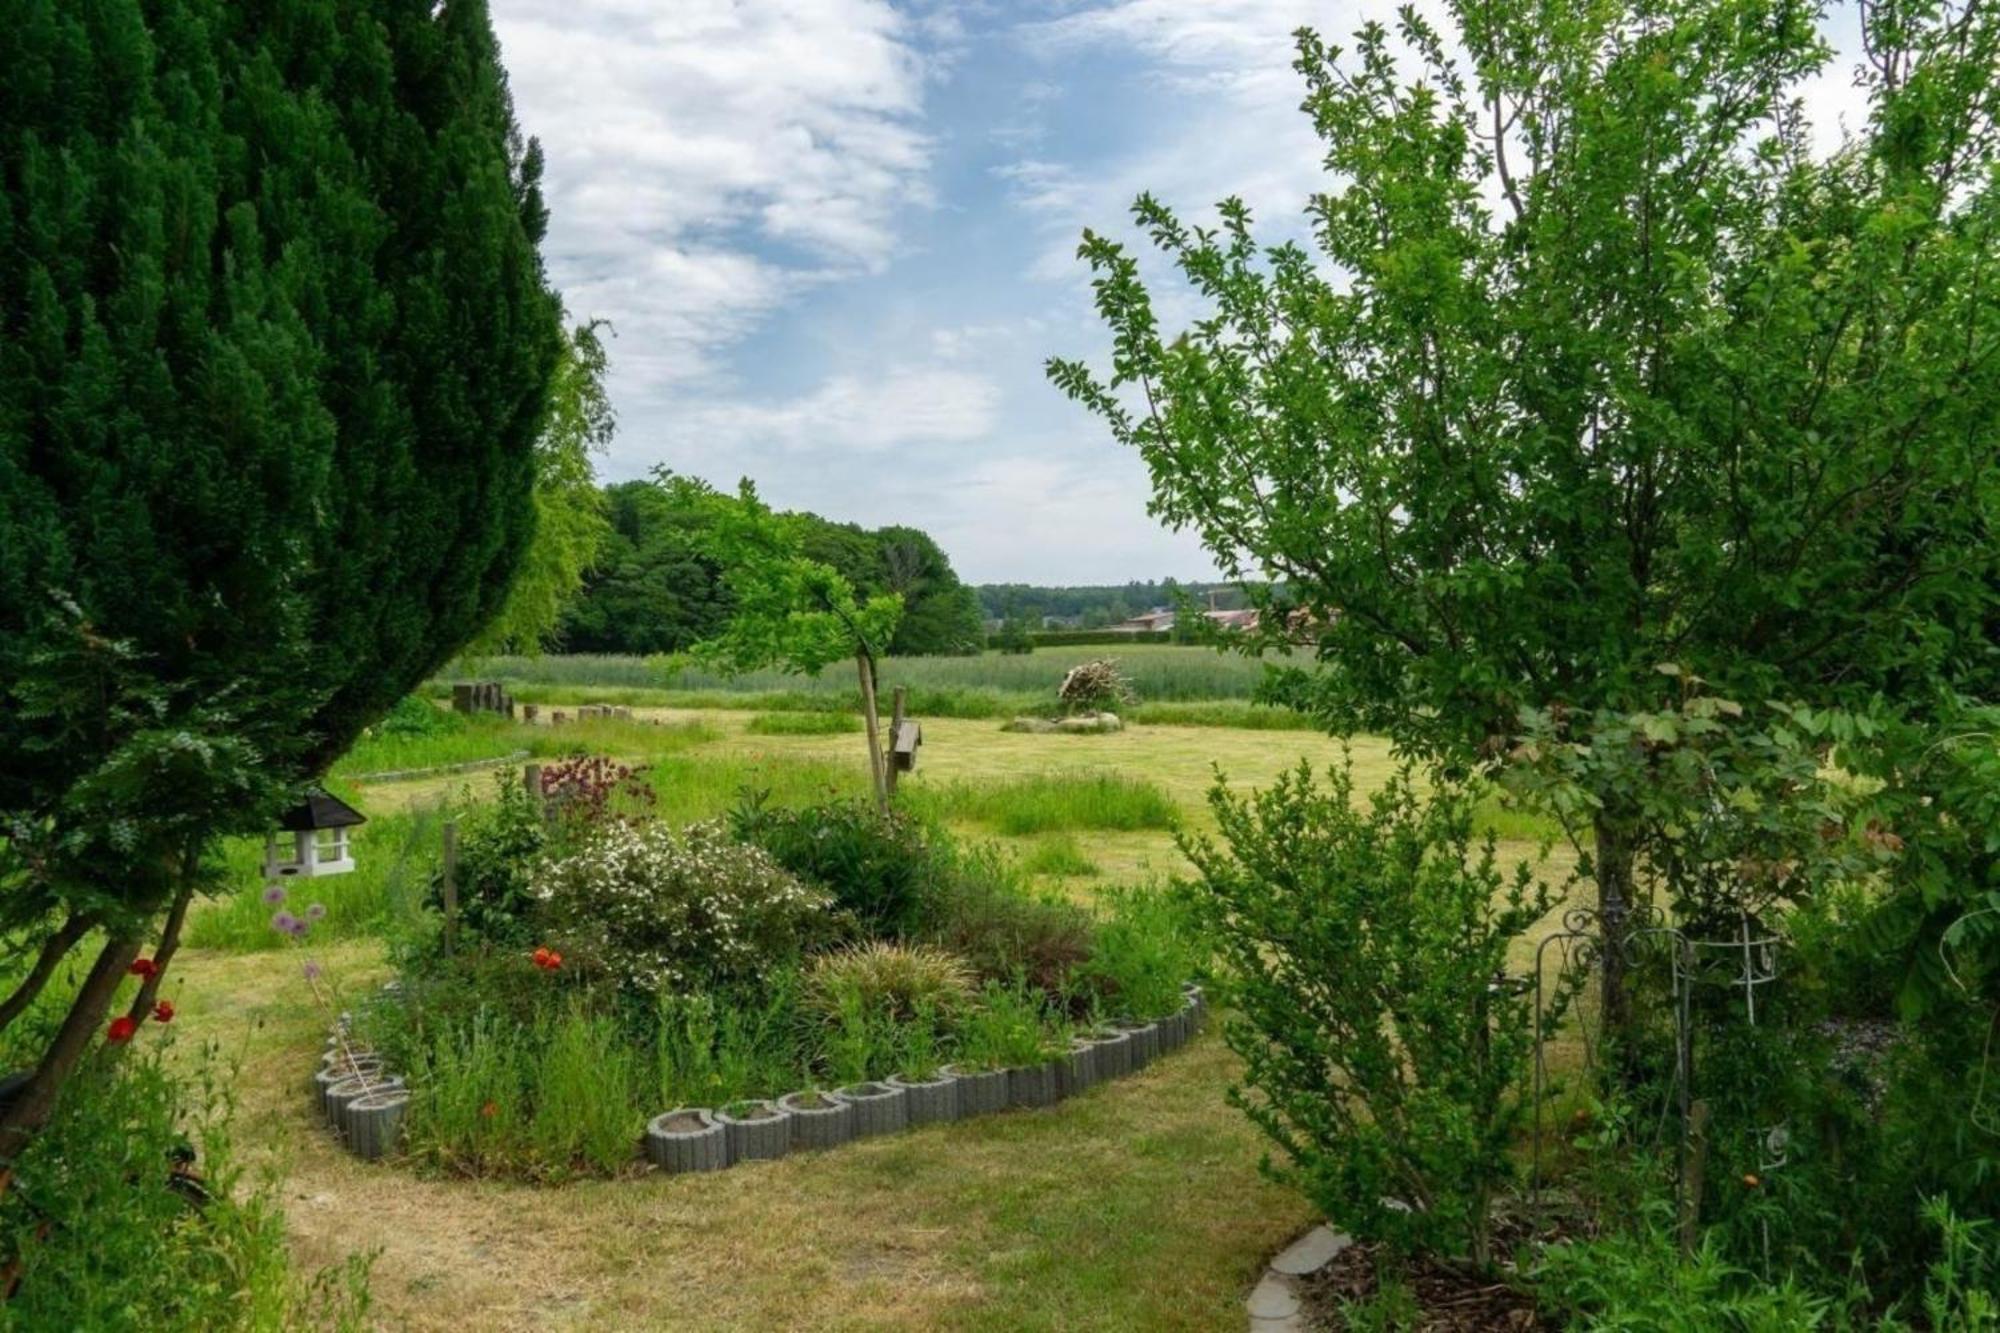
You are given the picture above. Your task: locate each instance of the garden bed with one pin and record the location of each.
(367, 1108)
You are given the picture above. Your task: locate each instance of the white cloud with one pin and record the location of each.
(708, 160)
(1223, 67)
(851, 414)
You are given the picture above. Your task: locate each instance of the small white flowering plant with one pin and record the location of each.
(664, 909)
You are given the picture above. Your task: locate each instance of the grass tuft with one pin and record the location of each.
(1055, 802)
(1059, 855)
(802, 724)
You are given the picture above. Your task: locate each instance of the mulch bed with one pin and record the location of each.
(1448, 1300)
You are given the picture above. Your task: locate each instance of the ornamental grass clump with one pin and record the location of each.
(658, 909)
(893, 980)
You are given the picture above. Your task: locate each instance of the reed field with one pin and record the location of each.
(1175, 684)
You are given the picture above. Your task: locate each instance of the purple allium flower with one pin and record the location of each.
(316, 911)
(312, 969)
(285, 923)
(274, 894)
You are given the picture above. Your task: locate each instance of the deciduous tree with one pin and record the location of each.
(1596, 361)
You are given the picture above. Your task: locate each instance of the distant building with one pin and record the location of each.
(1157, 621)
(1236, 620)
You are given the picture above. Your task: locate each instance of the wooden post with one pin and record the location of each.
(896, 713)
(1696, 1178)
(450, 886)
(461, 697)
(872, 721)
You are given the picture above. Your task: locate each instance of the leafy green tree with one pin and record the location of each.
(1596, 363)
(940, 615)
(275, 341)
(653, 590)
(570, 527)
(659, 587)
(791, 611)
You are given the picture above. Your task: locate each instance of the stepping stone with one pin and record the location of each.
(1311, 1252)
(1273, 1299)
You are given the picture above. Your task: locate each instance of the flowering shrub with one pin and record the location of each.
(679, 909)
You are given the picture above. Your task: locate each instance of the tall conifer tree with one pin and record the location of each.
(275, 341)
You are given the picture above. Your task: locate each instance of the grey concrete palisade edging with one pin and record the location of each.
(879, 1108)
(932, 1101)
(373, 1123)
(1112, 1053)
(757, 1131)
(818, 1120)
(1273, 1304)
(687, 1138)
(980, 1091)
(1033, 1085)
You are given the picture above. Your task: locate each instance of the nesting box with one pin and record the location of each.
(903, 752)
(311, 839)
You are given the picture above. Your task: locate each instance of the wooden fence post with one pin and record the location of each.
(896, 714)
(450, 886)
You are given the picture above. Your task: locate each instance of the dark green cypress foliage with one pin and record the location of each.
(274, 348)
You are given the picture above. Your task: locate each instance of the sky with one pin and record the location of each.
(835, 239)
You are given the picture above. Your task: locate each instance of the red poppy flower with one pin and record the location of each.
(488, 1111)
(163, 1012)
(541, 956)
(144, 967)
(121, 1029)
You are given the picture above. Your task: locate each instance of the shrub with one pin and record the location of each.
(894, 980)
(660, 909)
(108, 1233)
(415, 715)
(497, 845)
(1360, 949)
(1142, 952)
(877, 866)
(1094, 687)
(981, 913)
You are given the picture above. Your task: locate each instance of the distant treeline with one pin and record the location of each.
(655, 591)
(1095, 607)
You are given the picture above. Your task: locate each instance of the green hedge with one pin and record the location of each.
(1076, 638)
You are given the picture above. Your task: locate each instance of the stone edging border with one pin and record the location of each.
(437, 770)
(1273, 1305)
(365, 1105)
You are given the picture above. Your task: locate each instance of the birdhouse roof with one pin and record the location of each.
(320, 810)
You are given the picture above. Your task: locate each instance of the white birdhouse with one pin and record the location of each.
(319, 843)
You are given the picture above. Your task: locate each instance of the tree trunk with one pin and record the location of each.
(170, 941)
(1613, 864)
(54, 949)
(31, 1109)
(872, 720)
